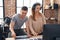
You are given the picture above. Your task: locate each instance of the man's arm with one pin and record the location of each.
(12, 26)
(12, 29)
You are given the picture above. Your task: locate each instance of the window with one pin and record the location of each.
(27, 3)
(1, 10)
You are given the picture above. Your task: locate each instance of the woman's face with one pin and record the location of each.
(37, 9)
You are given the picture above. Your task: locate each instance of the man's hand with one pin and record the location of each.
(13, 34)
(12, 29)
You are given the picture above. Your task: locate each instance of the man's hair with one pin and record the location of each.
(24, 8)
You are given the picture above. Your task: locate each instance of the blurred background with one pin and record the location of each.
(50, 8)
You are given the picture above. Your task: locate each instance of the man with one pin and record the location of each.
(17, 21)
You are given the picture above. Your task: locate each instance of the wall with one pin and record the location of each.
(58, 2)
(9, 7)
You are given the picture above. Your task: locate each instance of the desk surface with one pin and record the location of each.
(40, 36)
(33, 37)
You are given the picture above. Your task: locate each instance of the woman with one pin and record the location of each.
(36, 21)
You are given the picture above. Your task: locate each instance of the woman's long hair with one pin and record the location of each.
(33, 10)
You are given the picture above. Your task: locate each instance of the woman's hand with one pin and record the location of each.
(34, 33)
(29, 35)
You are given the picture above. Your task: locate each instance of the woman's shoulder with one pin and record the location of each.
(30, 16)
(42, 14)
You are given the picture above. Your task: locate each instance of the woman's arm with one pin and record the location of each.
(27, 27)
(44, 19)
(31, 27)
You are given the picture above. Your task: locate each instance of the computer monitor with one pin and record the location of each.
(51, 32)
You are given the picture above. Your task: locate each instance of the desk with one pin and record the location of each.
(31, 38)
(40, 36)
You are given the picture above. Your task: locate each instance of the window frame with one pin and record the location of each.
(3, 9)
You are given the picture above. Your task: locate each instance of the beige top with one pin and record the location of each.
(37, 25)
